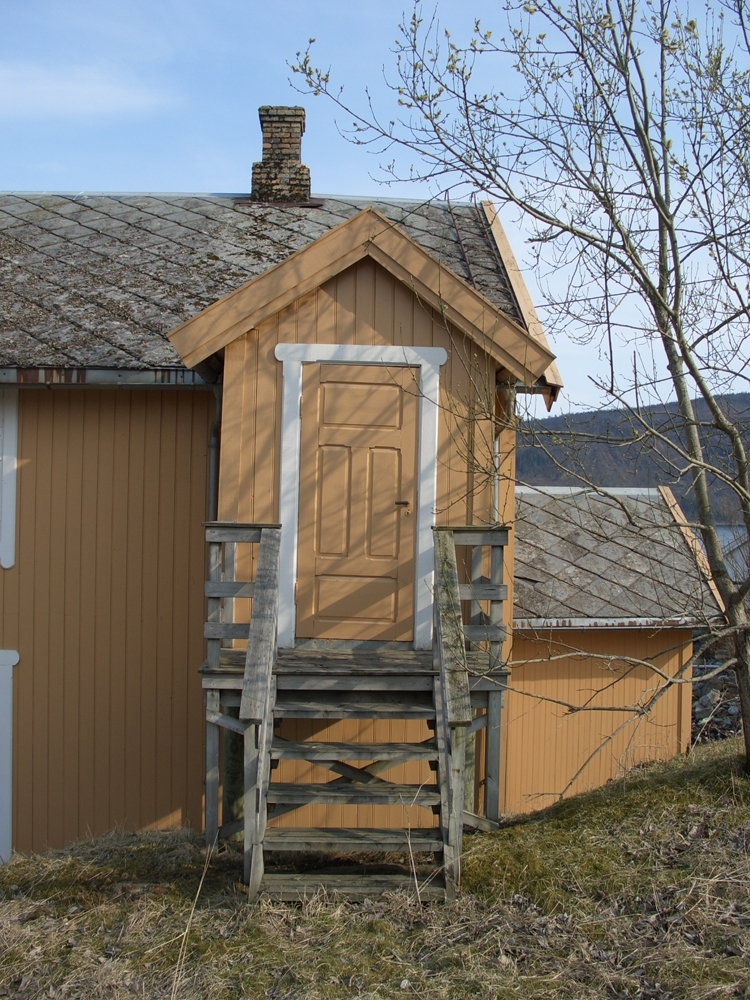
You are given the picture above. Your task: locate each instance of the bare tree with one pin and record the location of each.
(621, 134)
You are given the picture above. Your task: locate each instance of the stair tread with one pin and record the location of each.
(351, 751)
(375, 792)
(291, 887)
(351, 705)
(357, 839)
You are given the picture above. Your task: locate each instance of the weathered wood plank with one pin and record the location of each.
(378, 793)
(298, 708)
(253, 850)
(226, 630)
(212, 770)
(449, 639)
(457, 797)
(261, 645)
(496, 607)
(358, 682)
(478, 536)
(313, 751)
(226, 722)
(335, 839)
(492, 766)
(213, 605)
(482, 592)
(480, 722)
(233, 534)
(474, 822)
(228, 588)
(486, 632)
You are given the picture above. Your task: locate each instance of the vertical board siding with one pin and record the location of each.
(105, 605)
(363, 305)
(545, 746)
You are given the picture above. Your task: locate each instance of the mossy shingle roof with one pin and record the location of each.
(98, 280)
(618, 556)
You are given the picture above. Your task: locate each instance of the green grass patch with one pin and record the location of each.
(640, 890)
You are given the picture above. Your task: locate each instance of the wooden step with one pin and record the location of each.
(292, 888)
(289, 750)
(374, 793)
(354, 705)
(342, 841)
(322, 680)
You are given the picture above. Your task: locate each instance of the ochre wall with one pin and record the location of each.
(543, 746)
(105, 605)
(363, 305)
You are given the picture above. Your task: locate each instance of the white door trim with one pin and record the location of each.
(8, 466)
(428, 360)
(8, 660)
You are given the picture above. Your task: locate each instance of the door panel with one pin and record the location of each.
(356, 543)
(383, 516)
(334, 499)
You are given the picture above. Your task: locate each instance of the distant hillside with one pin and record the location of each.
(599, 447)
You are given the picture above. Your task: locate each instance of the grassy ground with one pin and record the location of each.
(641, 890)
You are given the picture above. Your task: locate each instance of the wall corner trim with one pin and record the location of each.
(8, 659)
(8, 475)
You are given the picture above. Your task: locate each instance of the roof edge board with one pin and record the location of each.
(691, 539)
(367, 233)
(521, 292)
(247, 321)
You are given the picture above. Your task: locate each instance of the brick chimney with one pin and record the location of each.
(281, 176)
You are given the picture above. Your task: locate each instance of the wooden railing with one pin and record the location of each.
(255, 721)
(222, 586)
(471, 653)
(261, 643)
(450, 640)
(484, 626)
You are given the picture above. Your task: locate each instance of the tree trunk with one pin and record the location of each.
(742, 671)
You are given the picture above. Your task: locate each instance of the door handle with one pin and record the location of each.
(403, 503)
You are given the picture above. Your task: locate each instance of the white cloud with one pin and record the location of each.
(28, 90)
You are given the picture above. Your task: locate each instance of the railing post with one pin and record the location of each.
(213, 604)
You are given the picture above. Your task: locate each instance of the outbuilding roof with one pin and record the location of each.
(607, 558)
(99, 280)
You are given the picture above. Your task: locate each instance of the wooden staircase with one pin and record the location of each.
(454, 691)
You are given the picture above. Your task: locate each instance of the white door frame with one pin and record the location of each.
(428, 360)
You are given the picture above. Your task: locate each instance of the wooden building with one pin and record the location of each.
(332, 366)
(327, 385)
(609, 588)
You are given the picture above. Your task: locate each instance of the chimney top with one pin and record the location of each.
(281, 175)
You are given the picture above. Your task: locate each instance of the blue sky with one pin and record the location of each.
(162, 95)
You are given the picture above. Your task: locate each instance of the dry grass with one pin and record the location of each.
(641, 890)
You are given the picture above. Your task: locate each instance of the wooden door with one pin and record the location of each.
(355, 560)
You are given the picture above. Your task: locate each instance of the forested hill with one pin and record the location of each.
(598, 446)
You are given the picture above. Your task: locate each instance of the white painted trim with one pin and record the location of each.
(428, 360)
(8, 466)
(8, 659)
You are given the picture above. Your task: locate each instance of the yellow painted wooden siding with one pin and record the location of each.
(363, 305)
(544, 746)
(105, 605)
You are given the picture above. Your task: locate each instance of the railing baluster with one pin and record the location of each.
(213, 605)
